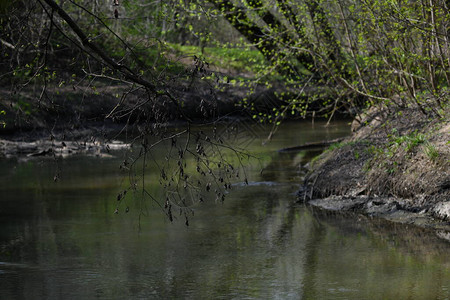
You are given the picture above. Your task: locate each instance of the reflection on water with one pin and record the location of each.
(62, 240)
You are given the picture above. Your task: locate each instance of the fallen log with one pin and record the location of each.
(311, 146)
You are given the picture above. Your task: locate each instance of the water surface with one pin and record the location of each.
(62, 240)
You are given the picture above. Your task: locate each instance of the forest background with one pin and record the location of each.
(322, 56)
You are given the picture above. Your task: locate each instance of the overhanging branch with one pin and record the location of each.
(124, 70)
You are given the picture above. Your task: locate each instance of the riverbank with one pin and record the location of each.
(86, 119)
(395, 165)
(35, 119)
(80, 107)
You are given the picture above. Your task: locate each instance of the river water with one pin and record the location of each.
(62, 240)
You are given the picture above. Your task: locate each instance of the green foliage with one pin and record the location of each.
(431, 152)
(244, 60)
(323, 56)
(2, 123)
(409, 142)
(388, 156)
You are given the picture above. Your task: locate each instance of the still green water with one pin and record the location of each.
(62, 240)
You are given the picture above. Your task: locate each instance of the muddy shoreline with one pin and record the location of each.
(33, 125)
(395, 166)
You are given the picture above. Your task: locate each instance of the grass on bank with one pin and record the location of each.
(233, 60)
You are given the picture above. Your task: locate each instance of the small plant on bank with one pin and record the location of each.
(386, 156)
(431, 152)
(410, 141)
(414, 141)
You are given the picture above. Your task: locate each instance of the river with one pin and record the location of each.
(62, 240)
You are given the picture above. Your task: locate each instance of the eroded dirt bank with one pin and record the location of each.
(86, 120)
(83, 119)
(395, 165)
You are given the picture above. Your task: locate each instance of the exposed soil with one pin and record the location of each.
(88, 119)
(395, 165)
